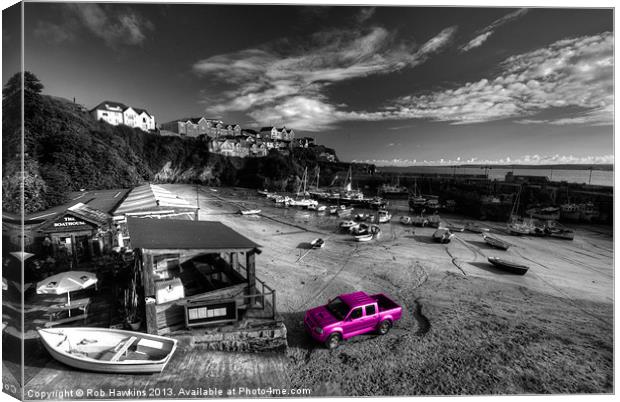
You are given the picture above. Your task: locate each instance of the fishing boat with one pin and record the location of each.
(475, 228)
(547, 213)
(317, 243)
(456, 228)
(376, 203)
(443, 235)
(433, 221)
(432, 203)
(360, 229)
(518, 226)
(419, 221)
(384, 216)
(249, 211)
(364, 237)
(588, 212)
(344, 211)
(394, 191)
(108, 350)
(496, 242)
(556, 230)
(416, 201)
(406, 220)
(347, 225)
(570, 212)
(509, 266)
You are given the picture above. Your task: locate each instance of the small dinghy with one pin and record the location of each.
(509, 266)
(108, 350)
(321, 208)
(343, 211)
(406, 220)
(361, 217)
(348, 225)
(249, 211)
(364, 237)
(333, 209)
(419, 221)
(384, 216)
(495, 242)
(456, 228)
(317, 243)
(361, 229)
(312, 207)
(475, 228)
(443, 235)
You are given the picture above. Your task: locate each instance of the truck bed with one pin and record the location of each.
(384, 302)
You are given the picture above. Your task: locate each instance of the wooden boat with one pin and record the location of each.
(348, 225)
(443, 235)
(384, 216)
(556, 230)
(509, 265)
(419, 221)
(343, 211)
(475, 228)
(249, 211)
(406, 220)
(433, 221)
(364, 237)
(360, 229)
(456, 228)
(317, 243)
(495, 242)
(108, 350)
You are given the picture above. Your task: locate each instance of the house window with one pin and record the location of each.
(144, 120)
(104, 114)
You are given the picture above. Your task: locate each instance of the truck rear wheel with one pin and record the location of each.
(333, 341)
(384, 327)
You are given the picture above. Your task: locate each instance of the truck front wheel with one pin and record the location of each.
(384, 327)
(333, 341)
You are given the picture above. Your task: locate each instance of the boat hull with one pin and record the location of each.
(509, 266)
(102, 366)
(497, 243)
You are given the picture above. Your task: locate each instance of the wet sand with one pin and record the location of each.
(468, 327)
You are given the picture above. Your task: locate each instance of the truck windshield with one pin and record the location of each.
(338, 308)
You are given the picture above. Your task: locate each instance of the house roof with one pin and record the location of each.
(140, 111)
(266, 128)
(89, 214)
(153, 233)
(110, 105)
(151, 197)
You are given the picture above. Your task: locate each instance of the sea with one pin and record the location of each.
(594, 177)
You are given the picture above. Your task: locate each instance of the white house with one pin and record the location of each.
(110, 112)
(116, 113)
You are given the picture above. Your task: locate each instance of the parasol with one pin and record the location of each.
(66, 282)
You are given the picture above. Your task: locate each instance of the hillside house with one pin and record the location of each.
(116, 113)
(279, 134)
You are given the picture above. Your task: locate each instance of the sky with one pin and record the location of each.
(397, 85)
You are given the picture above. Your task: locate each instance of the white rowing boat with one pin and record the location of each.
(108, 350)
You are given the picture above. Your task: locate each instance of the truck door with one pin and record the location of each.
(358, 323)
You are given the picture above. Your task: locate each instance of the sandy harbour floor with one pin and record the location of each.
(467, 328)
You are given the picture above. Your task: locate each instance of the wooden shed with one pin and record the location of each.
(195, 273)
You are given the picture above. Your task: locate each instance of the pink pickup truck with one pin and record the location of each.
(349, 315)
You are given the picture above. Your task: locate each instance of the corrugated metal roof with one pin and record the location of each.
(151, 197)
(90, 214)
(151, 233)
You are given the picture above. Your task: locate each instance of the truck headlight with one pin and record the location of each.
(318, 330)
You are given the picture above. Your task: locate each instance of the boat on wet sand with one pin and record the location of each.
(317, 243)
(405, 220)
(496, 242)
(443, 235)
(249, 211)
(475, 228)
(384, 216)
(108, 350)
(509, 266)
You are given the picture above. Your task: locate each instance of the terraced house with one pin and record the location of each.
(196, 126)
(116, 113)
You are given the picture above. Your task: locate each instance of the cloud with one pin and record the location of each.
(286, 82)
(116, 26)
(535, 159)
(571, 74)
(486, 32)
(54, 33)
